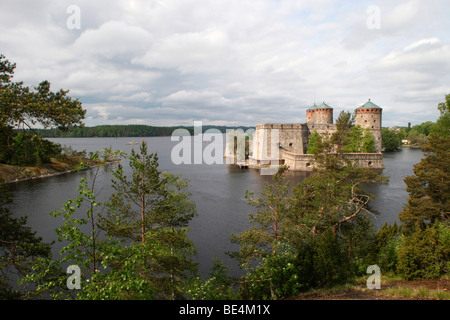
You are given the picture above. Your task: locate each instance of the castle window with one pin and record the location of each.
(308, 164)
(370, 163)
(365, 120)
(372, 127)
(290, 144)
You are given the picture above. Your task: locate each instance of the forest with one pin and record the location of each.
(115, 131)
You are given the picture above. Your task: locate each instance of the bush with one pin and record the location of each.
(384, 251)
(276, 277)
(425, 253)
(218, 287)
(321, 262)
(26, 149)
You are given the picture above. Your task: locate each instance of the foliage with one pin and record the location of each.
(19, 249)
(24, 107)
(132, 130)
(29, 149)
(219, 286)
(323, 261)
(385, 247)
(314, 143)
(425, 253)
(429, 187)
(442, 126)
(111, 266)
(275, 277)
(347, 138)
(344, 124)
(319, 231)
(391, 140)
(153, 208)
(359, 141)
(261, 240)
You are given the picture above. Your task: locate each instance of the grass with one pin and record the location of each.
(393, 287)
(417, 293)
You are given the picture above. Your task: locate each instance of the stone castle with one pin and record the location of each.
(286, 143)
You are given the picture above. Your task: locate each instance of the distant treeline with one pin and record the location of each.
(123, 131)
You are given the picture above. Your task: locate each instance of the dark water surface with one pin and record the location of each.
(218, 191)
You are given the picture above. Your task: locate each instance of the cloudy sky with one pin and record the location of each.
(233, 62)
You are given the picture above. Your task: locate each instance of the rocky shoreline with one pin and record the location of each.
(12, 174)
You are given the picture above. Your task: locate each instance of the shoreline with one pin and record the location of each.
(13, 174)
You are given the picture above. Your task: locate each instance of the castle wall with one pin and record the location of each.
(275, 137)
(325, 129)
(306, 162)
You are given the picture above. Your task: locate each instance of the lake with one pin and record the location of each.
(218, 191)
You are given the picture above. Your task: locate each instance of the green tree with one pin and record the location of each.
(147, 259)
(344, 124)
(425, 253)
(261, 241)
(391, 141)
(23, 107)
(331, 201)
(314, 143)
(442, 126)
(368, 142)
(353, 141)
(83, 247)
(429, 187)
(219, 285)
(19, 249)
(153, 209)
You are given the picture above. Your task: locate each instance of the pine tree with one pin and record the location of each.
(152, 210)
(429, 187)
(314, 143)
(260, 243)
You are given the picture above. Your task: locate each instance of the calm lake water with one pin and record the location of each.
(218, 191)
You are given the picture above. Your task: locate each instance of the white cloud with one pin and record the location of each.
(111, 40)
(188, 52)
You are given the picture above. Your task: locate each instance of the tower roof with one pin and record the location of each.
(324, 106)
(314, 106)
(369, 105)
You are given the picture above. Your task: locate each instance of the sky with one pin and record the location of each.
(233, 62)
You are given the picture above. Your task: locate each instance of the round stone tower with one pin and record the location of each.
(310, 114)
(369, 116)
(323, 114)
